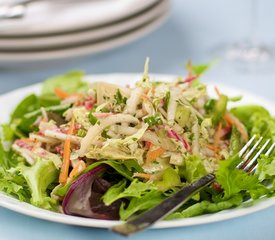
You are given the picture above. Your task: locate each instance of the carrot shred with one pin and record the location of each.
(143, 175)
(61, 93)
(211, 147)
(217, 90)
(144, 97)
(66, 155)
(217, 137)
(153, 154)
(27, 140)
(228, 119)
(77, 94)
(233, 121)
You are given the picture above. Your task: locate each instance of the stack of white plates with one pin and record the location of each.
(67, 28)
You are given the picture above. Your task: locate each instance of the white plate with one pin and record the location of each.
(61, 40)
(48, 17)
(5, 201)
(81, 50)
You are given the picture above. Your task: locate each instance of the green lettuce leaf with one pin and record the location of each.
(192, 169)
(28, 104)
(4, 158)
(39, 176)
(113, 192)
(136, 205)
(234, 181)
(200, 68)
(262, 126)
(257, 120)
(11, 181)
(126, 168)
(266, 167)
(204, 207)
(245, 112)
(55, 108)
(14, 184)
(70, 82)
(136, 189)
(169, 179)
(7, 136)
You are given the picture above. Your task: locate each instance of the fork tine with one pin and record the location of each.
(266, 154)
(270, 149)
(247, 145)
(251, 151)
(254, 159)
(243, 150)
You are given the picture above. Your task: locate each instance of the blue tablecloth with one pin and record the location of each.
(194, 30)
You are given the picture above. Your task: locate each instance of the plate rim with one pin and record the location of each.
(77, 38)
(131, 8)
(80, 51)
(17, 206)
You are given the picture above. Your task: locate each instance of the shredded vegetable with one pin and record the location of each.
(107, 151)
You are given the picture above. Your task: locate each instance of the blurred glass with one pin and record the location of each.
(250, 53)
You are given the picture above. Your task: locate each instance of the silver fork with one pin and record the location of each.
(249, 155)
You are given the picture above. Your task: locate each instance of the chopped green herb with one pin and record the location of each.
(119, 99)
(93, 120)
(153, 120)
(219, 109)
(104, 110)
(166, 100)
(235, 99)
(81, 133)
(104, 134)
(210, 104)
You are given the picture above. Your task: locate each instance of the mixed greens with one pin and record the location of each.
(105, 151)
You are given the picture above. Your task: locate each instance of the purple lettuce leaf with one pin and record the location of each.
(84, 197)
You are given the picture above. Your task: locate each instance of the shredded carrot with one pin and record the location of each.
(78, 168)
(217, 137)
(211, 147)
(233, 121)
(228, 119)
(66, 155)
(35, 144)
(27, 140)
(143, 175)
(217, 91)
(153, 154)
(44, 119)
(61, 93)
(144, 97)
(77, 94)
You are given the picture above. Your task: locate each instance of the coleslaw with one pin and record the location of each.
(106, 151)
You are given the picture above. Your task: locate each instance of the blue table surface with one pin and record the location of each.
(194, 30)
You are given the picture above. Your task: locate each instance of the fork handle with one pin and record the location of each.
(164, 208)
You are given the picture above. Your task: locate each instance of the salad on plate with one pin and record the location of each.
(105, 151)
